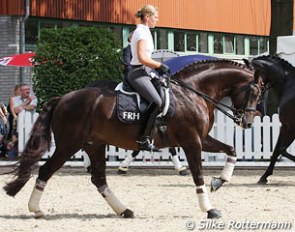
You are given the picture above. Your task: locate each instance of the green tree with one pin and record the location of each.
(67, 59)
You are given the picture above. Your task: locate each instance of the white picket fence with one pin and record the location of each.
(253, 146)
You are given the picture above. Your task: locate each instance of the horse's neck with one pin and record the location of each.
(214, 79)
(279, 80)
(218, 88)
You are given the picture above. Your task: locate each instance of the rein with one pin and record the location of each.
(237, 113)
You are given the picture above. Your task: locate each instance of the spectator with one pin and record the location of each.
(12, 117)
(3, 148)
(26, 101)
(3, 114)
(12, 147)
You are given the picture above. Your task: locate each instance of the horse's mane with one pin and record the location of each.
(275, 59)
(196, 65)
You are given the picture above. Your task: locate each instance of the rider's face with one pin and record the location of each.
(152, 20)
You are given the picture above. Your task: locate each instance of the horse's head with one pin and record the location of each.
(271, 68)
(245, 97)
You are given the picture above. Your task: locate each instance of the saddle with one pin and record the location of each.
(131, 107)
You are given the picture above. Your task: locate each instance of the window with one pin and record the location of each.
(162, 39)
(240, 45)
(203, 42)
(31, 32)
(191, 41)
(263, 45)
(118, 32)
(47, 24)
(253, 46)
(64, 24)
(228, 44)
(179, 41)
(218, 44)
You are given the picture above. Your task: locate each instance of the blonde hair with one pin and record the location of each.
(146, 10)
(16, 87)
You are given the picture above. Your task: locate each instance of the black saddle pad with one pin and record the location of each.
(131, 107)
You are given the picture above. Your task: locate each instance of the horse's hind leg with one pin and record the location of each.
(288, 155)
(180, 169)
(284, 141)
(123, 168)
(54, 163)
(212, 145)
(98, 178)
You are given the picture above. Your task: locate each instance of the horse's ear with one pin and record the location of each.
(247, 63)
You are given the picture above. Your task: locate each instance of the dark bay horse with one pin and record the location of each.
(280, 75)
(86, 119)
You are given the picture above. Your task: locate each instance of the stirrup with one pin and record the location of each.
(146, 145)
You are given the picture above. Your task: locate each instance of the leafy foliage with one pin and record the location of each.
(67, 59)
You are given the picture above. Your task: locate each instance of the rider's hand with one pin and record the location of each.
(164, 69)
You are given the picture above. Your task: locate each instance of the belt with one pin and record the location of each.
(136, 66)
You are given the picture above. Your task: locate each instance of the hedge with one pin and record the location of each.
(67, 59)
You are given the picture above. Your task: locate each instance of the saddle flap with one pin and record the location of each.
(131, 107)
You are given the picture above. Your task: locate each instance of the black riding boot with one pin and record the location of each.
(145, 143)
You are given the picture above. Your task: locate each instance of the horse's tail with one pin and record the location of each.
(36, 146)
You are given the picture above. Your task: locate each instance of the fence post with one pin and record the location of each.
(25, 121)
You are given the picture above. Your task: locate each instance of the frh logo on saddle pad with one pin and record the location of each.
(131, 116)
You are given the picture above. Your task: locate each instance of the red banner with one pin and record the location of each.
(19, 60)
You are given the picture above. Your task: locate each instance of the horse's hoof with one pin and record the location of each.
(127, 214)
(262, 181)
(39, 214)
(216, 183)
(183, 172)
(213, 214)
(122, 171)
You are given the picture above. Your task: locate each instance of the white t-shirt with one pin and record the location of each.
(18, 100)
(141, 32)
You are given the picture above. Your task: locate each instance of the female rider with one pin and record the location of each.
(142, 46)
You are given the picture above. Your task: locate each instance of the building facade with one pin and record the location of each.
(232, 29)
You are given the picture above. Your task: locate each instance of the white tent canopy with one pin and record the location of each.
(286, 48)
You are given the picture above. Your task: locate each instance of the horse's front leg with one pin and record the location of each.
(98, 178)
(212, 145)
(193, 154)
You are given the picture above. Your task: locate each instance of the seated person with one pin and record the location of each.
(12, 147)
(3, 149)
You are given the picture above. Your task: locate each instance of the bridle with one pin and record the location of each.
(238, 114)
